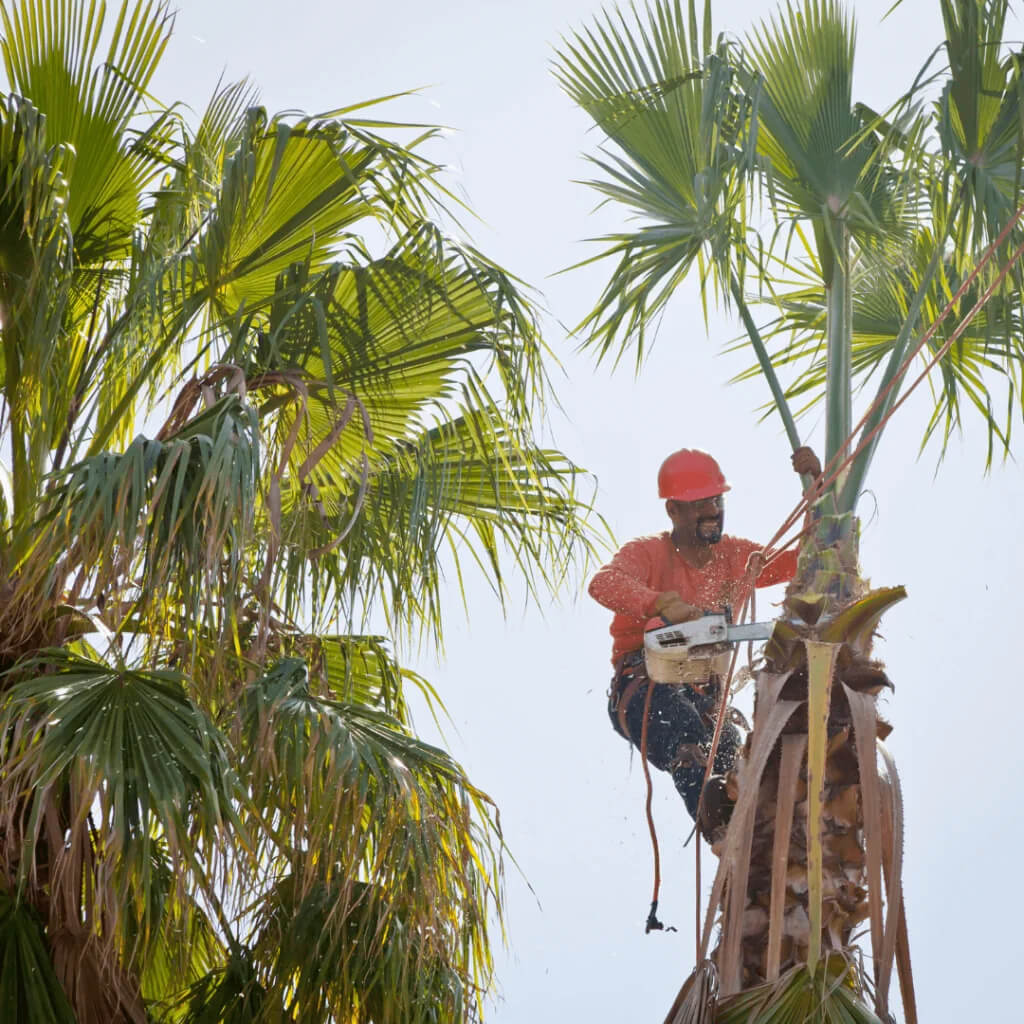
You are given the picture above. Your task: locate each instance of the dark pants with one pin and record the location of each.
(680, 727)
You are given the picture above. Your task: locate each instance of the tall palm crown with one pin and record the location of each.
(239, 437)
(854, 233)
(709, 136)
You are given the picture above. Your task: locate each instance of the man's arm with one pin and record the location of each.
(783, 567)
(623, 586)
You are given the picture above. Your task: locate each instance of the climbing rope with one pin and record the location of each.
(653, 924)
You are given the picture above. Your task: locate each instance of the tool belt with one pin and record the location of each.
(695, 665)
(631, 674)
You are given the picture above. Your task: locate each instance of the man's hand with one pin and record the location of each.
(672, 608)
(805, 461)
(755, 563)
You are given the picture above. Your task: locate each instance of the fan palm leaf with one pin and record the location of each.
(133, 750)
(819, 165)
(29, 988)
(91, 106)
(677, 124)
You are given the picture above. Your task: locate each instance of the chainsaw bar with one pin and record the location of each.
(710, 629)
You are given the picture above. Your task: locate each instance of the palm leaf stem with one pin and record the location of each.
(767, 369)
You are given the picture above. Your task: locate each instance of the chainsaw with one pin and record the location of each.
(691, 652)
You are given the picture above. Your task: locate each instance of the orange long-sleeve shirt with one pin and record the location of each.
(631, 582)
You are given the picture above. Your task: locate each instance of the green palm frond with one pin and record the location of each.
(828, 996)
(91, 105)
(466, 490)
(398, 334)
(392, 820)
(132, 755)
(819, 163)
(978, 120)
(290, 193)
(228, 994)
(29, 988)
(678, 124)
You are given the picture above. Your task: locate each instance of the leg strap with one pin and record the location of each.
(626, 694)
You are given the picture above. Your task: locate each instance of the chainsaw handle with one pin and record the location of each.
(660, 620)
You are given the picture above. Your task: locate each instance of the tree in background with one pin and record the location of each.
(253, 400)
(868, 243)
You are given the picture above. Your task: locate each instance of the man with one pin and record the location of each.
(679, 575)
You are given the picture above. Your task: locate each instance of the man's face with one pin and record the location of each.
(697, 522)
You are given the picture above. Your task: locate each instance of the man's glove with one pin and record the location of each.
(672, 608)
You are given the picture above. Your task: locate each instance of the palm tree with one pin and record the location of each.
(870, 241)
(255, 405)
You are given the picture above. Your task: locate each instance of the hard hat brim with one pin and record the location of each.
(697, 493)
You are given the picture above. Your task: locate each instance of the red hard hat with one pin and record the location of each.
(690, 475)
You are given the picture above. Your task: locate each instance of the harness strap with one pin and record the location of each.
(627, 693)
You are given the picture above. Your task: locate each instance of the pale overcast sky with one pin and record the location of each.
(527, 696)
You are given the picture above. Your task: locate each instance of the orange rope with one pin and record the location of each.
(723, 704)
(653, 924)
(698, 895)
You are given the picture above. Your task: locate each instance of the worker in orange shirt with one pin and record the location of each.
(679, 575)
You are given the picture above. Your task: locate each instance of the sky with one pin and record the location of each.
(526, 690)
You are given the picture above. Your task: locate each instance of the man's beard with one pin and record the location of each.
(709, 529)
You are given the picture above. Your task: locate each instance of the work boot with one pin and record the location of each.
(715, 811)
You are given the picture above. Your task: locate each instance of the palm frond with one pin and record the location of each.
(51, 53)
(978, 120)
(137, 760)
(678, 126)
(398, 830)
(29, 988)
(819, 164)
(826, 996)
(228, 994)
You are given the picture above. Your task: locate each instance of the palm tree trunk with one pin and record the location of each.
(802, 865)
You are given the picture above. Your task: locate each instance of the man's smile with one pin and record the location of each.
(709, 528)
